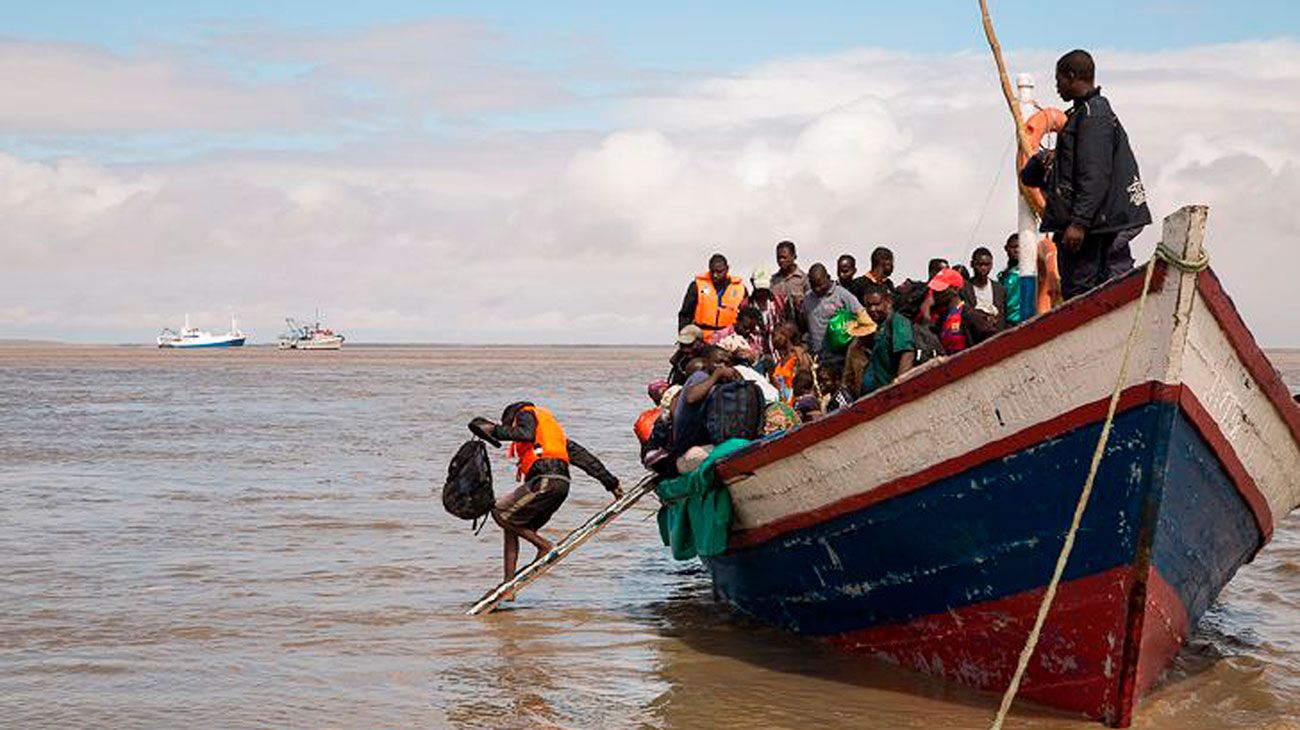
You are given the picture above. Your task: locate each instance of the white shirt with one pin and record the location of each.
(984, 297)
(770, 394)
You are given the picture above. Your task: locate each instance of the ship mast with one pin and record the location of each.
(1027, 209)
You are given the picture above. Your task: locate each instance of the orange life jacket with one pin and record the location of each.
(783, 378)
(710, 314)
(548, 443)
(1049, 276)
(645, 424)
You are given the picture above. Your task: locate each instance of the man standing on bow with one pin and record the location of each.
(1096, 203)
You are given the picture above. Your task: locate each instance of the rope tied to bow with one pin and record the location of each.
(1191, 266)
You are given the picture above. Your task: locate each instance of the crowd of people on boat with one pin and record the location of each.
(810, 342)
(778, 348)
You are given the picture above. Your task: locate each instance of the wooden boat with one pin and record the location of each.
(922, 523)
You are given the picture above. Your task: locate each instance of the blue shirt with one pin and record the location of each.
(688, 418)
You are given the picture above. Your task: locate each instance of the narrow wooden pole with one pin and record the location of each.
(1022, 136)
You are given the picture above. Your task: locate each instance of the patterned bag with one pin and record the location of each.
(734, 410)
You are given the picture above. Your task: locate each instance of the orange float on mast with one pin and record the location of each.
(1043, 121)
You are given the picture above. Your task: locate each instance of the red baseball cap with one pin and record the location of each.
(947, 279)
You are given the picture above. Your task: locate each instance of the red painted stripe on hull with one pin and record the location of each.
(1132, 397)
(1164, 629)
(1076, 666)
(1069, 316)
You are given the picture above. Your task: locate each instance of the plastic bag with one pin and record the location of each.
(837, 333)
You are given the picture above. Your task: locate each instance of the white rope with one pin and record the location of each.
(988, 198)
(1164, 253)
(1190, 266)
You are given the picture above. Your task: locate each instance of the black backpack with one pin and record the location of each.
(927, 343)
(908, 297)
(734, 410)
(468, 491)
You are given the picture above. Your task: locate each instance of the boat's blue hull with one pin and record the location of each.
(238, 342)
(946, 578)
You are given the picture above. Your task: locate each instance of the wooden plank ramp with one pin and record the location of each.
(563, 548)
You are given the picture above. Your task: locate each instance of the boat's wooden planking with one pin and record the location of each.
(1249, 410)
(1031, 383)
(1011, 385)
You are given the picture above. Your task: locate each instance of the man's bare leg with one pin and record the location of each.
(511, 553)
(512, 534)
(543, 545)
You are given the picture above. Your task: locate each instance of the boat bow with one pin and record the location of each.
(935, 507)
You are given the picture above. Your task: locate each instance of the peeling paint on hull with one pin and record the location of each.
(946, 579)
(921, 524)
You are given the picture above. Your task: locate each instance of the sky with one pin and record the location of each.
(492, 172)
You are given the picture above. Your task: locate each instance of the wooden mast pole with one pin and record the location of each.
(1022, 137)
(1029, 210)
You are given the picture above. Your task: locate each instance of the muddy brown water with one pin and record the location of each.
(247, 538)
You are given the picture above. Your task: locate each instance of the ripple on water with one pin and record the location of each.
(246, 539)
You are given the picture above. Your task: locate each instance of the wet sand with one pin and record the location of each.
(249, 538)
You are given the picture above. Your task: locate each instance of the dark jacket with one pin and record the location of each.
(1094, 179)
(524, 428)
(686, 315)
(985, 325)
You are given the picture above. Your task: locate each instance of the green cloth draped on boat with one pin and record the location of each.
(696, 514)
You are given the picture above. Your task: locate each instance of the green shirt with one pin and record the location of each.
(1010, 280)
(892, 340)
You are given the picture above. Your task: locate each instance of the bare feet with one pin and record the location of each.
(546, 547)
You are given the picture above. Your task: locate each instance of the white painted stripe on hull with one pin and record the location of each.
(1248, 419)
(1028, 388)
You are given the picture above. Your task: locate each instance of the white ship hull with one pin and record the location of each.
(203, 340)
(323, 343)
(310, 337)
(192, 337)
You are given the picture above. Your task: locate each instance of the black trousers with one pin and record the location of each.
(1101, 257)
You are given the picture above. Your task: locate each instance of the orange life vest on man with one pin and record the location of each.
(712, 314)
(549, 442)
(645, 424)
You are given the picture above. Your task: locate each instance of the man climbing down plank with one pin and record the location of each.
(544, 453)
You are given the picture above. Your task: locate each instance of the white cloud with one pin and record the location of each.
(449, 65)
(63, 88)
(592, 236)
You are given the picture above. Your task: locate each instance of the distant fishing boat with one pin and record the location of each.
(921, 523)
(309, 337)
(193, 337)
